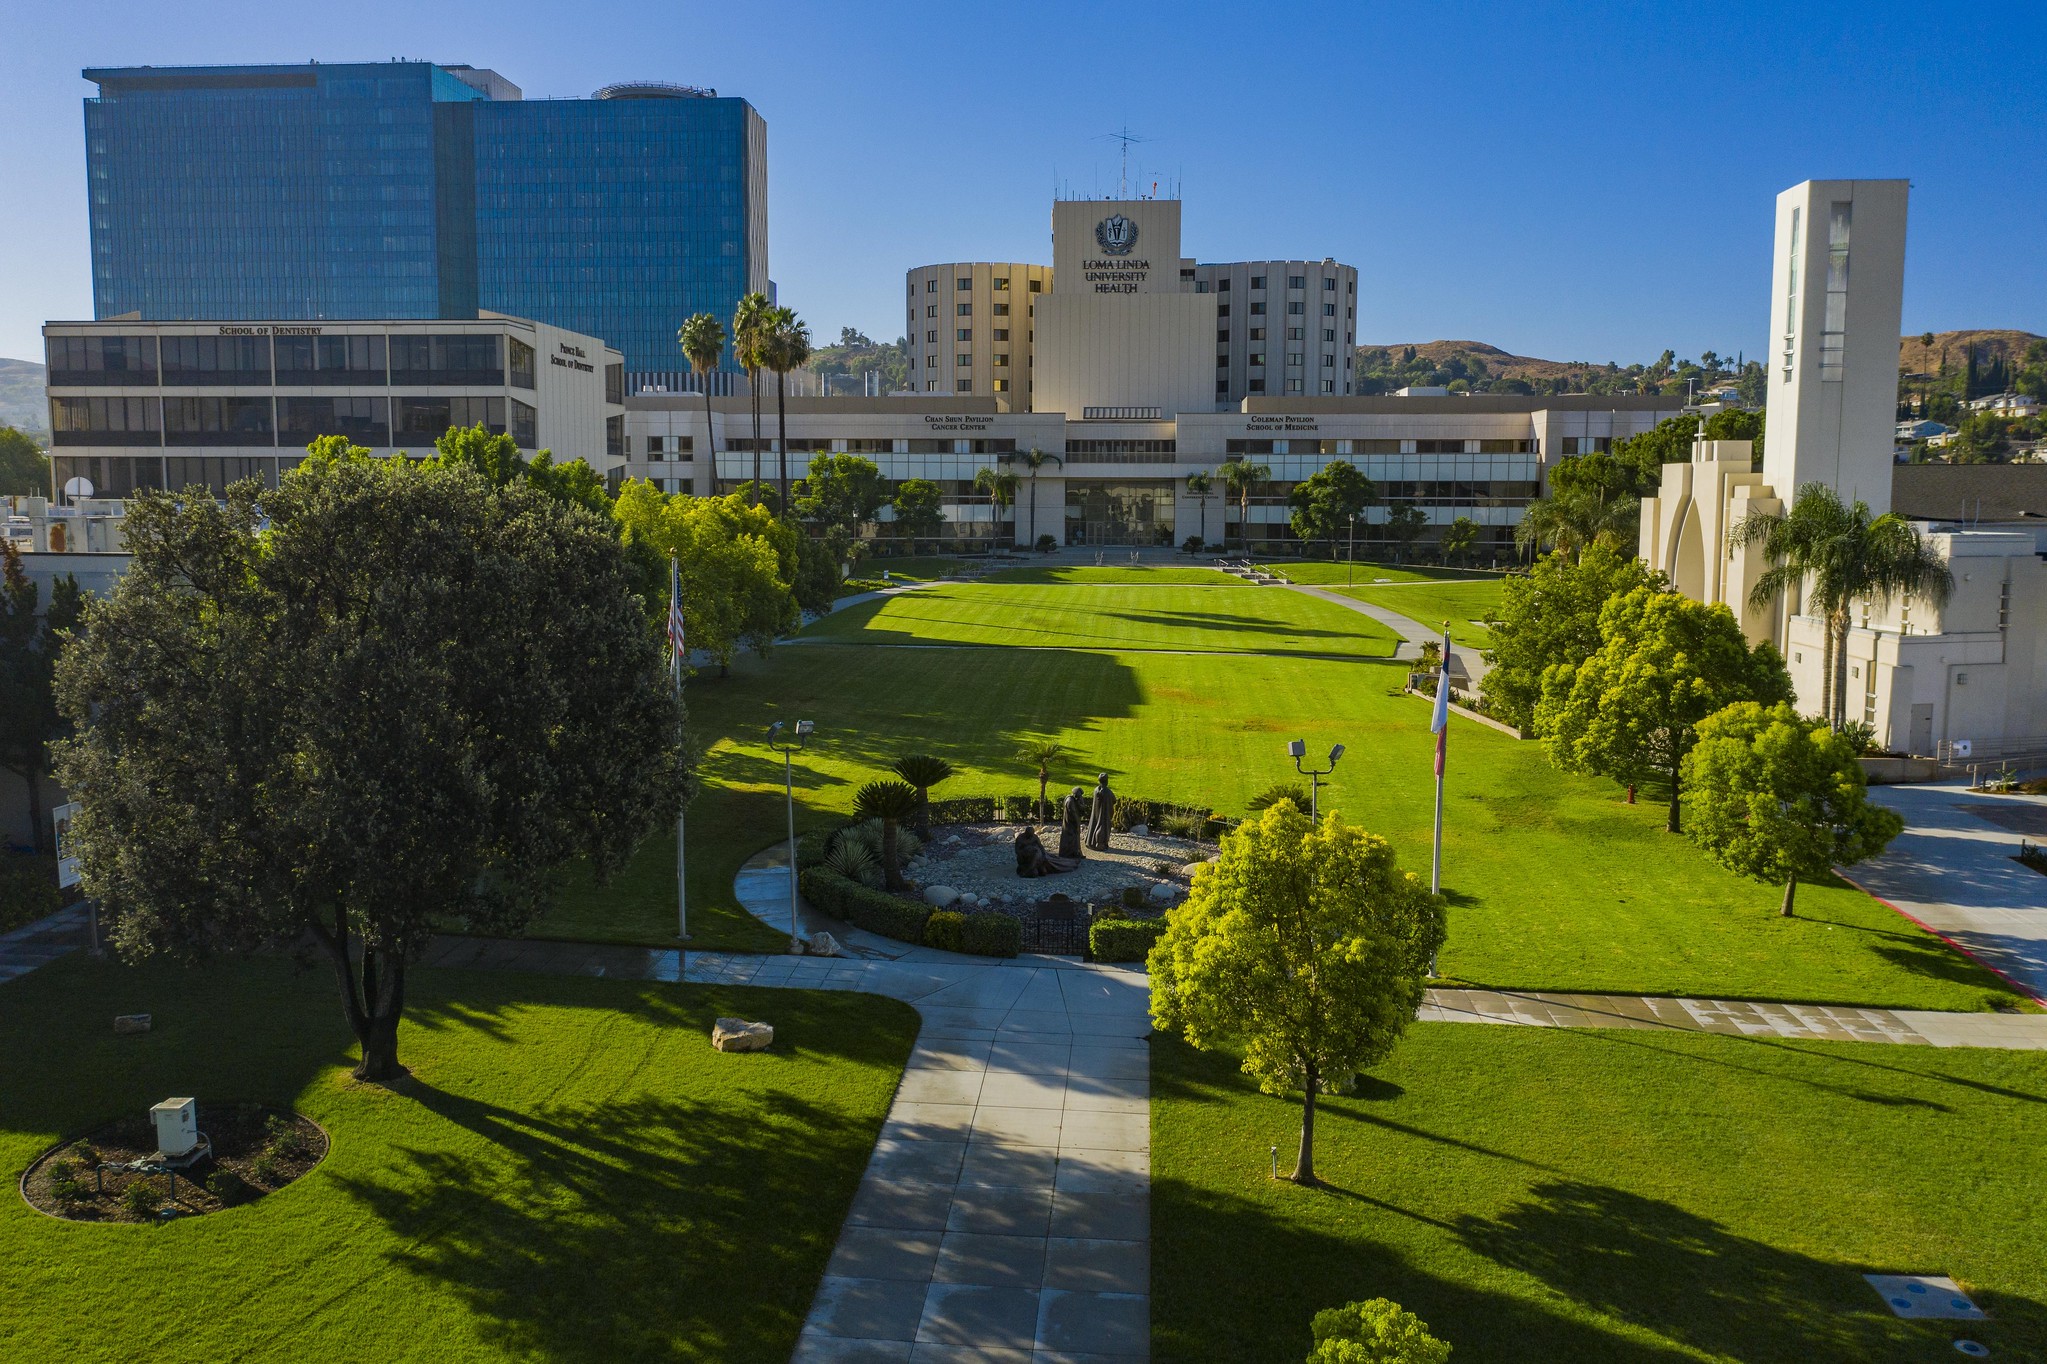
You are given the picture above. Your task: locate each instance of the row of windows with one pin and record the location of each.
(259, 421)
(1222, 286)
(1296, 308)
(1222, 336)
(965, 283)
(85, 361)
(1377, 446)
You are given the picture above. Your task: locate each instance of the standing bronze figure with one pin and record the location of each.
(1100, 814)
(1070, 818)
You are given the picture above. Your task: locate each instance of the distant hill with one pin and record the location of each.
(21, 397)
(1928, 352)
(1497, 361)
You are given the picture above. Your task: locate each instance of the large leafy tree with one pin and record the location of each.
(1573, 518)
(1777, 797)
(1405, 524)
(31, 642)
(739, 565)
(376, 700)
(1327, 502)
(24, 467)
(919, 506)
(841, 492)
(1458, 538)
(1304, 944)
(1664, 663)
(496, 456)
(1835, 553)
(1550, 616)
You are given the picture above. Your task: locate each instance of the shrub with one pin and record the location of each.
(1183, 826)
(1374, 1332)
(812, 847)
(227, 1186)
(1019, 809)
(70, 1190)
(1277, 792)
(874, 910)
(1133, 897)
(963, 810)
(943, 929)
(28, 889)
(62, 1169)
(1046, 544)
(265, 1170)
(1192, 544)
(854, 862)
(285, 1138)
(88, 1155)
(1119, 939)
(991, 935)
(142, 1198)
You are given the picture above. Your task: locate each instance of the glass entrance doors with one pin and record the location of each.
(1119, 511)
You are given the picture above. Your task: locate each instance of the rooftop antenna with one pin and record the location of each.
(1125, 137)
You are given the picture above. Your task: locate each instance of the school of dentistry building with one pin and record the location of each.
(1133, 368)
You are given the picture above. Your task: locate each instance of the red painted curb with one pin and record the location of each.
(1994, 970)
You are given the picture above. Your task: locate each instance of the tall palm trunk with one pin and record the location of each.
(710, 441)
(1827, 668)
(782, 439)
(1839, 680)
(1031, 536)
(753, 383)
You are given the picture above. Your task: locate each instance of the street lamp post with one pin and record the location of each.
(1298, 749)
(803, 731)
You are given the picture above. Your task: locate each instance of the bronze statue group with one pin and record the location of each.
(1032, 859)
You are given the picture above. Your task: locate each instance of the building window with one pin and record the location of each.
(1791, 297)
(221, 360)
(525, 427)
(964, 358)
(614, 383)
(1329, 362)
(1293, 357)
(931, 337)
(520, 365)
(1257, 281)
(1257, 359)
(1001, 284)
(930, 286)
(1293, 385)
(1257, 386)
(1329, 310)
(106, 421)
(1329, 385)
(1296, 333)
(931, 385)
(1329, 285)
(1002, 385)
(964, 334)
(1257, 308)
(1001, 333)
(964, 386)
(1001, 361)
(1258, 333)
(1222, 336)
(964, 283)
(1329, 334)
(1222, 386)
(1296, 281)
(1002, 310)
(962, 310)
(931, 310)
(82, 360)
(224, 421)
(1834, 332)
(366, 421)
(1037, 286)
(931, 362)
(1222, 362)
(1222, 286)
(614, 437)
(1222, 310)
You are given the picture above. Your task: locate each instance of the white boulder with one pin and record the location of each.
(1191, 868)
(1139, 830)
(938, 897)
(1163, 891)
(823, 944)
(736, 1034)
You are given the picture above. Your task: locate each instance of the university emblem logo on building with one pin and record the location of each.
(1116, 234)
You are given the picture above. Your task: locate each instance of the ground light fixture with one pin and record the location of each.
(1297, 749)
(787, 747)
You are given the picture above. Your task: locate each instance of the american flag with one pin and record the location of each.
(1439, 723)
(675, 639)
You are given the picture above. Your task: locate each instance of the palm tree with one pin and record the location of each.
(750, 329)
(999, 487)
(787, 348)
(1239, 477)
(1033, 460)
(891, 802)
(1838, 553)
(1201, 485)
(923, 771)
(1572, 518)
(1044, 755)
(703, 345)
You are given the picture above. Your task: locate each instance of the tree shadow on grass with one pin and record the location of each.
(1691, 1280)
(654, 1228)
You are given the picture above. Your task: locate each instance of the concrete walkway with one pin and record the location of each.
(1953, 871)
(42, 942)
(1738, 1018)
(1411, 632)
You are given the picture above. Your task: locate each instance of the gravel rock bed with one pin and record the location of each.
(979, 861)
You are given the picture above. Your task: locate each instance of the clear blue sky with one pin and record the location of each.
(1578, 181)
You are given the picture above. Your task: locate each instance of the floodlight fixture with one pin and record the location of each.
(1296, 749)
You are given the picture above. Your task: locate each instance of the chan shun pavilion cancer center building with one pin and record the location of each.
(1133, 369)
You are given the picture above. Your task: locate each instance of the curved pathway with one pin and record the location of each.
(1412, 633)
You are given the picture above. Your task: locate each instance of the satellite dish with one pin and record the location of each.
(79, 486)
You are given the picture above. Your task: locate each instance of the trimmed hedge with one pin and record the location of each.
(991, 935)
(1123, 939)
(874, 910)
(944, 929)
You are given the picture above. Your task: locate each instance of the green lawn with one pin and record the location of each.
(1465, 605)
(571, 1174)
(1322, 573)
(1555, 883)
(913, 568)
(1595, 1196)
(1141, 575)
(1231, 618)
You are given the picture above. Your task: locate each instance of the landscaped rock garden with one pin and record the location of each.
(974, 866)
(256, 1150)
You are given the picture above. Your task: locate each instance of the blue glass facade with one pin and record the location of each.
(400, 190)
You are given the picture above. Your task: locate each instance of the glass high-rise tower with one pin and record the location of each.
(415, 190)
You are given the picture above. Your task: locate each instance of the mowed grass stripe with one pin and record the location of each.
(1556, 884)
(1231, 620)
(1465, 605)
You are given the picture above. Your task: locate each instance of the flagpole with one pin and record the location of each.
(676, 649)
(1442, 755)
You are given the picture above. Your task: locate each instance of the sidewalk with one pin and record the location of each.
(1413, 633)
(42, 942)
